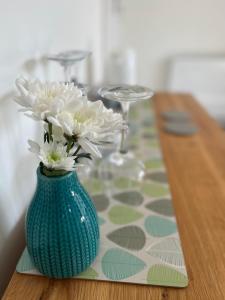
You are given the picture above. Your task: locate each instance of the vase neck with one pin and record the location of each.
(57, 180)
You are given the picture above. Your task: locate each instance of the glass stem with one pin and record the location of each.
(67, 73)
(75, 75)
(125, 114)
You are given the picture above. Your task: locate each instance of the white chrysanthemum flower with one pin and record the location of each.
(54, 156)
(43, 101)
(57, 133)
(90, 123)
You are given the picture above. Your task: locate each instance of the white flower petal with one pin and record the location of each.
(19, 100)
(23, 109)
(45, 99)
(58, 135)
(89, 147)
(21, 84)
(32, 116)
(54, 156)
(57, 106)
(34, 147)
(54, 121)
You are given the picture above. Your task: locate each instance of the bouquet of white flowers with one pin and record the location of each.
(74, 127)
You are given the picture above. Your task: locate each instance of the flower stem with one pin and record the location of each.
(52, 173)
(78, 149)
(50, 131)
(69, 145)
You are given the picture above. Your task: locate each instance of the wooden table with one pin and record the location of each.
(196, 170)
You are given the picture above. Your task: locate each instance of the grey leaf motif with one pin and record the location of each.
(168, 250)
(161, 206)
(130, 237)
(157, 176)
(180, 129)
(133, 198)
(148, 135)
(176, 116)
(101, 202)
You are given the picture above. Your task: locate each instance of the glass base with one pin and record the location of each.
(69, 57)
(126, 93)
(121, 165)
(84, 172)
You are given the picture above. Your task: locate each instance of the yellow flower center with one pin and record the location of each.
(48, 94)
(82, 117)
(54, 157)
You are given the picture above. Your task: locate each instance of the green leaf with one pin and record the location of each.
(154, 143)
(120, 214)
(53, 173)
(152, 129)
(90, 273)
(124, 182)
(46, 137)
(154, 164)
(93, 186)
(83, 155)
(154, 189)
(163, 275)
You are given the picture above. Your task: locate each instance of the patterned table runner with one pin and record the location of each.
(139, 238)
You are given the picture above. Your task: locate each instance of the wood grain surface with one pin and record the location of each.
(196, 171)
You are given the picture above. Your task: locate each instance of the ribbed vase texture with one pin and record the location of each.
(61, 226)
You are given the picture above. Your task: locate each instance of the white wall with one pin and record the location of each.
(17, 183)
(155, 29)
(28, 30)
(160, 29)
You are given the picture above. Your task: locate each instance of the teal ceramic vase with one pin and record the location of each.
(62, 229)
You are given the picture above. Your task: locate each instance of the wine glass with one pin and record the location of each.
(123, 163)
(67, 60)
